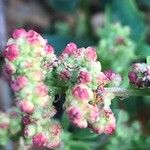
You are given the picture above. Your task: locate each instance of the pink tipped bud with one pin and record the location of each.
(26, 106)
(10, 69)
(26, 120)
(102, 79)
(74, 113)
(19, 83)
(49, 49)
(11, 52)
(82, 92)
(56, 129)
(18, 33)
(65, 75)
(110, 128)
(132, 77)
(35, 38)
(70, 48)
(84, 77)
(53, 144)
(93, 113)
(41, 89)
(39, 140)
(90, 54)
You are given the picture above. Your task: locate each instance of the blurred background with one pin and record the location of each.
(119, 29)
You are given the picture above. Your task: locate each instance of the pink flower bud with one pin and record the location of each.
(35, 38)
(41, 89)
(9, 69)
(26, 120)
(81, 92)
(93, 113)
(110, 128)
(49, 49)
(26, 106)
(65, 75)
(56, 129)
(19, 83)
(11, 52)
(40, 140)
(84, 77)
(70, 49)
(90, 54)
(18, 33)
(53, 144)
(74, 113)
(132, 77)
(102, 79)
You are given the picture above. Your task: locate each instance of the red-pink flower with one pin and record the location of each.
(40, 140)
(81, 92)
(84, 77)
(19, 83)
(26, 106)
(90, 54)
(41, 89)
(102, 79)
(74, 113)
(26, 120)
(93, 113)
(56, 129)
(53, 144)
(110, 128)
(18, 33)
(11, 52)
(71, 49)
(65, 74)
(9, 69)
(49, 49)
(35, 38)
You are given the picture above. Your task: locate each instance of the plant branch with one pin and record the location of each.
(123, 92)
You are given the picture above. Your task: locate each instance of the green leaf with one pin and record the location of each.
(143, 50)
(128, 13)
(84, 134)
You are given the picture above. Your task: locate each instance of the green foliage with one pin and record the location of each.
(127, 12)
(127, 135)
(115, 49)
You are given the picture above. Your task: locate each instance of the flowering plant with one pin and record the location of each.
(37, 75)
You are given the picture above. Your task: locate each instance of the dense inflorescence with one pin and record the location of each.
(26, 57)
(37, 76)
(139, 75)
(87, 102)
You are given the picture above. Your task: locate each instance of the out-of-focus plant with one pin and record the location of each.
(115, 49)
(128, 135)
(10, 126)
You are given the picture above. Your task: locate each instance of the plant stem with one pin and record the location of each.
(123, 92)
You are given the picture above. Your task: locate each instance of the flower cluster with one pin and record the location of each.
(26, 56)
(139, 75)
(87, 102)
(37, 75)
(10, 125)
